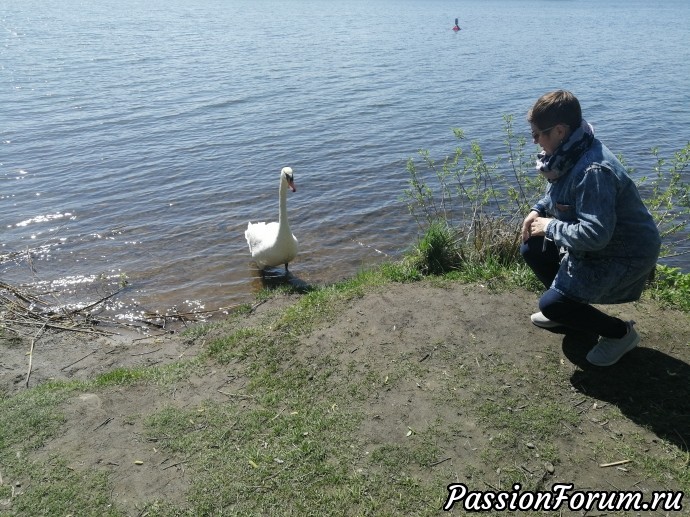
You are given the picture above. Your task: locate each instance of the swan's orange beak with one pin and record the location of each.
(289, 178)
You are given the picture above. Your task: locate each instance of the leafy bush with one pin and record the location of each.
(672, 287)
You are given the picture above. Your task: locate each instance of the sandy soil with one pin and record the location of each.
(416, 323)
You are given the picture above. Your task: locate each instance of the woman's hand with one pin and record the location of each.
(527, 225)
(538, 227)
(534, 225)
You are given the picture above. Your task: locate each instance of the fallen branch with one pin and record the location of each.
(256, 305)
(235, 394)
(31, 355)
(18, 293)
(24, 310)
(614, 463)
(105, 422)
(75, 362)
(90, 306)
(439, 462)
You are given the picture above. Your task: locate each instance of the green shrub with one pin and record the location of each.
(672, 287)
(438, 251)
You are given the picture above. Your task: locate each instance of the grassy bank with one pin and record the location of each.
(286, 437)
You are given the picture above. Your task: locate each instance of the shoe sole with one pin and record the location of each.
(630, 347)
(549, 325)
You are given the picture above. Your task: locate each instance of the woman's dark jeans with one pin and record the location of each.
(544, 259)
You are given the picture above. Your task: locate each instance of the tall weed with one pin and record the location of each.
(484, 202)
(668, 199)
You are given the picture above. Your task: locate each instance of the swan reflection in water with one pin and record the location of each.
(275, 278)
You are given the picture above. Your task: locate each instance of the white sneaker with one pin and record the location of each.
(608, 350)
(542, 321)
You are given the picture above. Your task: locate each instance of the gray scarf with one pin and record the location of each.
(567, 154)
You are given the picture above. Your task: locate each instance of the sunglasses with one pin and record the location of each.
(537, 134)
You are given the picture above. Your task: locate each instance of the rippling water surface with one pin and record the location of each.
(138, 138)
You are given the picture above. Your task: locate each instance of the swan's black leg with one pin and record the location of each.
(286, 268)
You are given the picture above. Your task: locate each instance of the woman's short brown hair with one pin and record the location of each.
(558, 107)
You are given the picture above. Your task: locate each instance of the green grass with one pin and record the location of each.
(28, 420)
(57, 489)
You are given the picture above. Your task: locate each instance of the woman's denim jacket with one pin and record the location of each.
(611, 240)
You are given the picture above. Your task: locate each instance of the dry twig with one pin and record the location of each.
(31, 354)
(614, 463)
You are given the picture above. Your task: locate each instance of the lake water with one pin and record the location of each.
(137, 138)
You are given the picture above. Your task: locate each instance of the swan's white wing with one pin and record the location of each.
(261, 236)
(263, 243)
(267, 247)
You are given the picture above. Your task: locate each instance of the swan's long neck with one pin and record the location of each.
(282, 205)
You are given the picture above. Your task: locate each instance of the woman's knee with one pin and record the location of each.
(549, 309)
(528, 249)
(553, 304)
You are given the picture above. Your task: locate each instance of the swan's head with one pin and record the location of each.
(289, 177)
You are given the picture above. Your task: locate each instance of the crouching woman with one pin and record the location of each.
(590, 239)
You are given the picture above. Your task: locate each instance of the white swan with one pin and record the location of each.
(272, 244)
